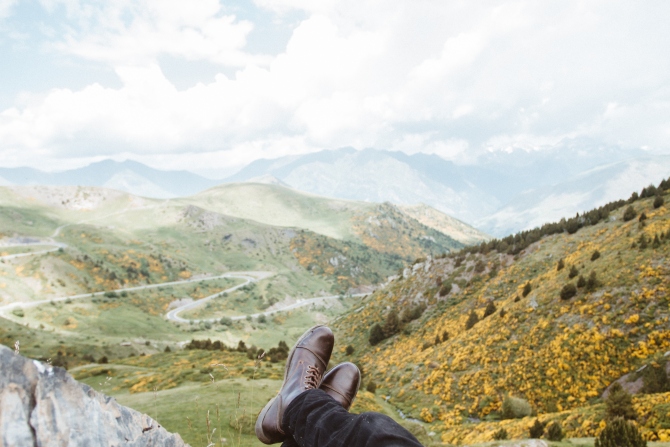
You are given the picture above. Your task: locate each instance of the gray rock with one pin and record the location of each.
(44, 406)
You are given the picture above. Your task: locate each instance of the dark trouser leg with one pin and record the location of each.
(314, 419)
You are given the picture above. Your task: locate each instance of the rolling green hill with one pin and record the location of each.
(528, 337)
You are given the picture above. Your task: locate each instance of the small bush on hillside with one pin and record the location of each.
(517, 299)
(595, 255)
(502, 313)
(412, 313)
(658, 202)
(350, 350)
(656, 243)
(376, 334)
(372, 387)
(445, 336)
(515, 408)
(655, 379)
(642, 217)
(592, 283)
(619, 404)
(490, 309)
(568, 291)
(620, 433)
(555, 432)
(630, 212)
(392, 324)
(167, 349)
(642, 242)
(500, 435)
(445, 288)
(526, 289)
(225, 321)
(536, 430)
(581, 282)
(103, 360)
(560, 265)
(573, 272)
(472, 320)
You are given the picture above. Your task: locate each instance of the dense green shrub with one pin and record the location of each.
(392, 324)
(595, 255)
(526, 289)
(372, 387)
(555, 432)
(655, 379)
(630, 213)
(445, 288)
(376, 334)
(412, 313)
(560, 265)
(642, 217)
(573, 272)
(658, 202)
(350, 350)
(568, 291)
(515, 408)
(620, 433)
(536, 430)
(619, 404)
(472, 320)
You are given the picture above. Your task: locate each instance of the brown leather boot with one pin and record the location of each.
(305, 366)
(341, 383)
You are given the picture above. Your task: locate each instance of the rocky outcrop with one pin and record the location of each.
(42, 405)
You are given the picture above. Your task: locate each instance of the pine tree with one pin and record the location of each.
(581, 281)
(472, 320)
(619, 403)
(490, 309)
(657, 242)
(642, 242)
(573, 272)
(560, 265)
(537, 430)
(592, 283)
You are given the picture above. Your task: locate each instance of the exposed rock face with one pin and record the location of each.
(42, 405)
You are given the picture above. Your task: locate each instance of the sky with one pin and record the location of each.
(209, 85)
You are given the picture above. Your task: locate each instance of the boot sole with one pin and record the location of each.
(260, 434)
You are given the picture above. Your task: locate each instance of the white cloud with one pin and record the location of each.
(449, 78)
(6, 8)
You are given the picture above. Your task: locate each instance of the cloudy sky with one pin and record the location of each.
(210, 85)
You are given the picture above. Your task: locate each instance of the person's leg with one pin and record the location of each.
(314, 419)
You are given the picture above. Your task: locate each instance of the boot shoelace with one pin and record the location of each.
(312, 378)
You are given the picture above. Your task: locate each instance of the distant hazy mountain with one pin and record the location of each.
(582, 192)
(497, 194)
(128, 176)
(382, 176)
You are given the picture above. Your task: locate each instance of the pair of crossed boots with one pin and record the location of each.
(305, 368)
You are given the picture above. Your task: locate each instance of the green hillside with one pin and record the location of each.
(528, 338)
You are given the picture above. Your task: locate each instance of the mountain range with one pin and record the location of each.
(499, 193)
